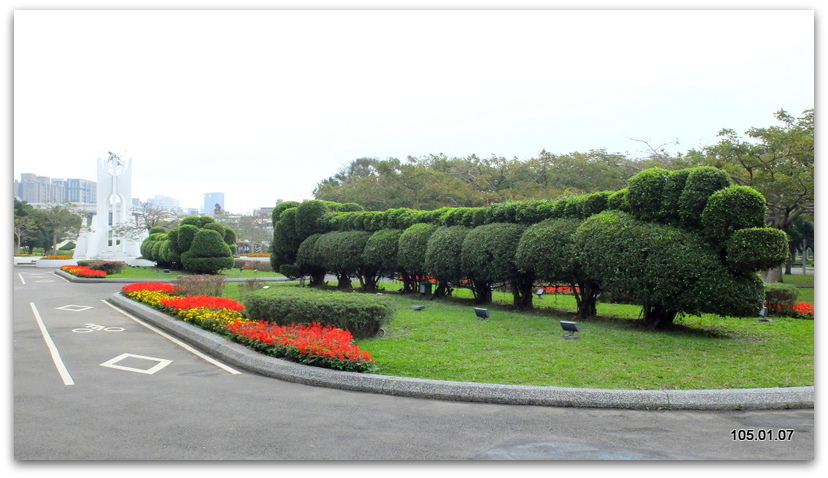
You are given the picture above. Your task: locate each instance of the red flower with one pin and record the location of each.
(193, 301)
(160, 286)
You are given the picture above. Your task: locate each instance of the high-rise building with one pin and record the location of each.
(78, 190)
(165, 203)
(36, 189)
(213, 202)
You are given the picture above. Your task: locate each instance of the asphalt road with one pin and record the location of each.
(91, 383)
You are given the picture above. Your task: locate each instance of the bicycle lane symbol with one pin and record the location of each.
(96, 328)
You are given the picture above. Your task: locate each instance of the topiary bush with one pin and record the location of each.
(208, 253)
(411, 252)
(547, 251)
(443, 256)
(731, 209)
(756, 249)
(110, 267)
(701, 183)
(488, 257)
(362, 315)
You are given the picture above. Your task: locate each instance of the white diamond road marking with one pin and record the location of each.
(74, 308)
(42, 281)
(161, 363)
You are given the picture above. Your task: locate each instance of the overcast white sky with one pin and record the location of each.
(262, 105)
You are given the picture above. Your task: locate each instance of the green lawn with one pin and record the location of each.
(447, 342)
(141, 272)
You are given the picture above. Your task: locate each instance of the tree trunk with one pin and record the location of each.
(659, 317)
(522, 292)
(586, 297)
(482, 292)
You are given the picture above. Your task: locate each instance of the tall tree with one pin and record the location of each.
(777, 161)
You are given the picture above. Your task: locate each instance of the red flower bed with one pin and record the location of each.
(310, 340)
(159, 286)
(194, 301)
(83, 271)
(559, 289)
(804, 309)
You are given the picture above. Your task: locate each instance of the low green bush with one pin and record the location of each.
(89, 262)
(780, 296)
(110, 267)
(362, 315)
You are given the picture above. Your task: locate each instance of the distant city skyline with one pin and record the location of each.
(75, 190)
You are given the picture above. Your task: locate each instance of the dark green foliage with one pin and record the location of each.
(488, 257)
(547, 252)
(157, 229)
(230, 238)
(413, 243)
(781, 296)
(340, 252)
(308, 262)
(149, 242)
(731, 209)
(756, 249)
(186, 234)
(701, 183)
(208, 253)
(281, 207)
(285, 240)
(191, 221)
(307, 218)
(215, 227)
(205, 220)
(663, 268)
(644, 193)
(381, 250)
(671, 197)
(442, 258)
(110, 267)
(362, 315)
(618, 200)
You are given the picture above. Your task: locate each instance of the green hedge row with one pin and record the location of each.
(362, 315)
(683, 241)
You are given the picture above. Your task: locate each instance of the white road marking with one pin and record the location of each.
(64, 373)
(176, 341)
(112, 363)
(21, 278)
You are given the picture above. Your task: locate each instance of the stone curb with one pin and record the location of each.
(242, 357)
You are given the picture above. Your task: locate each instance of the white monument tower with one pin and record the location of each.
(114, 199)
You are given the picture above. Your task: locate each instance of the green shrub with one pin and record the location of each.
(671, 195)
(208, 253)
(157, 229)
(756, 249)
(381, 250)
(701, 183)
(110, 267)
(89, 262)
(644, 193)
(186, 234)
(780, 297)
(443, 251)
(412, 246)
(731, 209)
(488, 257)
(362, 315)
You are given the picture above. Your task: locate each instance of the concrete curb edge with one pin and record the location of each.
(242, 357)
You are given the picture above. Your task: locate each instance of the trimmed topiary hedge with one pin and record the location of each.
(362, 315)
